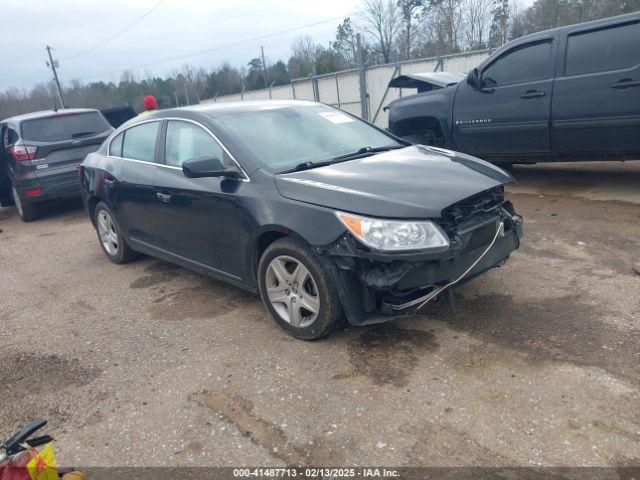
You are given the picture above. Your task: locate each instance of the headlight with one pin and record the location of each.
(395, 235)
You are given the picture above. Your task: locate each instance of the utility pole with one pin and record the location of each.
(363, 80)
(52, 64)
(264, 68)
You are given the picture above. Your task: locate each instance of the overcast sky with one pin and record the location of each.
(176, 27)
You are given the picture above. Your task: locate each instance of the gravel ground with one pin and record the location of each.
(150, 364)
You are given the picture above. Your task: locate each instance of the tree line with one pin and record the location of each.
(392, 30)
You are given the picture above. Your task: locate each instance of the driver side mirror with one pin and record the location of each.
(473, 78)
(208, 166)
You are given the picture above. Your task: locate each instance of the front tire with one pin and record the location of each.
(297, 290)
(26, 211)
(110, 236)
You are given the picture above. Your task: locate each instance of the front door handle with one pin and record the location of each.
(164, 197)
(108, 183)
(532, 94)
(626, 83)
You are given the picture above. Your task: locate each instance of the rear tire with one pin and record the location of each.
(26, 211)
(110, 236)
(291, 278)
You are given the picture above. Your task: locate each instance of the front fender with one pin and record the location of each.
(436, 104)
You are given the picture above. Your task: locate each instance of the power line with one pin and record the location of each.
(219, 47)
(117, 34)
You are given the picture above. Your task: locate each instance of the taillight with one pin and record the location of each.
(33, 192)
(24, 152)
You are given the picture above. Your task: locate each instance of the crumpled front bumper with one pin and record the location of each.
(376, 287)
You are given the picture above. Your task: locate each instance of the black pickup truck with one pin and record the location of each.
(571, 93)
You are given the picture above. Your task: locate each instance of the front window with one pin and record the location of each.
(282, 137)
(524, 63)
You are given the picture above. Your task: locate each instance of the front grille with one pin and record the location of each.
(471, 207)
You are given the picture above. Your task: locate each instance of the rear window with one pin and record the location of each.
(617, 48)
(64, 127)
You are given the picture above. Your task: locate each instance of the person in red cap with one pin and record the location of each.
(149, 104)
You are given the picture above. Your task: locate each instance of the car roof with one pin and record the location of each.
(47, 113)
(215, 108)
(590, 24)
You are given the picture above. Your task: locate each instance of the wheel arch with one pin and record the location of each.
(92, 202)
(417, 125)
(261, 241)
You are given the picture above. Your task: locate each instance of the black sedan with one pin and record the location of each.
(326, 216)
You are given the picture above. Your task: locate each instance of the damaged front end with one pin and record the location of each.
(375, 286)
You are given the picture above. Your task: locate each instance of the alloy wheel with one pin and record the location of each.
(107, 232)
(292, 291)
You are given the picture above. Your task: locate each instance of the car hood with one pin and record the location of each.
(413, 182)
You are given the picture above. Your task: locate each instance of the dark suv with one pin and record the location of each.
(40, 153)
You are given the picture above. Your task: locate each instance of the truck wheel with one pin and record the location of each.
(26, 211)
(297, 290)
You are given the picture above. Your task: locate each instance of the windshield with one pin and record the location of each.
(282, 137)
(64, 126)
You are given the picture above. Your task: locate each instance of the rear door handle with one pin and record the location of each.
(626, 83)
(164, 197)
(532, 94)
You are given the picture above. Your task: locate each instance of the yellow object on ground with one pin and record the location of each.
(43, 465)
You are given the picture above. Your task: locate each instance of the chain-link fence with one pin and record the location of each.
(342, 89)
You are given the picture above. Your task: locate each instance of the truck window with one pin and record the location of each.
(617, 47)
(524, 63)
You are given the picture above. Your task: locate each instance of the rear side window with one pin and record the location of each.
(64, 126)
(186, 140)
(140, 142)
(115, 149)
(612, 48)
(524, 63)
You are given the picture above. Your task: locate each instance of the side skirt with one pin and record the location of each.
(147, 249)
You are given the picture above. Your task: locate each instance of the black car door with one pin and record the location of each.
(200, 214)
(128, 180)
(509, 111)
(596, 102)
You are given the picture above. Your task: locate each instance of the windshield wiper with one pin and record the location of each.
(360, 153)
(363, 152)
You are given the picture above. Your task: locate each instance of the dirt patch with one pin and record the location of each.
(28, 378)
(580, 230)
(442, 445)
(239, 412)
(159, 272)
(208, 300)
(563, 329)
(388, 354)
(83, 306)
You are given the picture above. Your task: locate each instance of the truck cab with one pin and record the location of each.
(571, 93)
